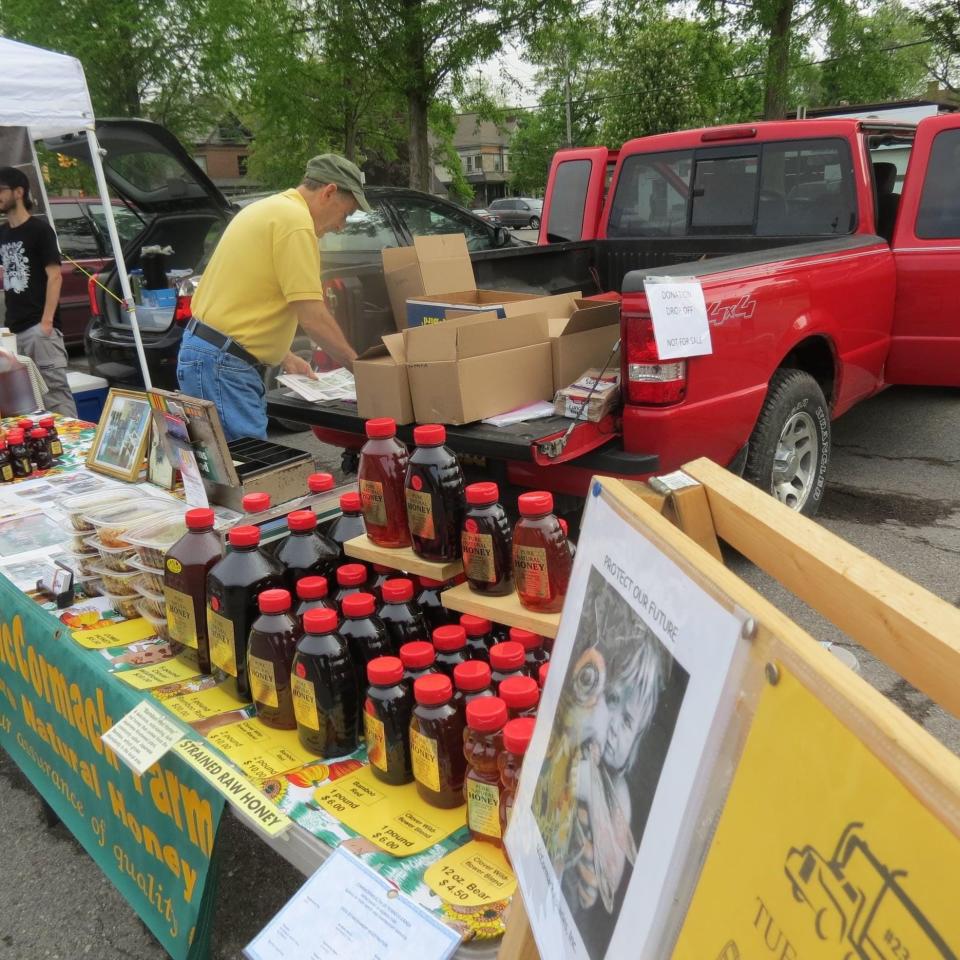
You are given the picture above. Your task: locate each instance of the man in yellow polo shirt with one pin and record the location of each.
(262, 282)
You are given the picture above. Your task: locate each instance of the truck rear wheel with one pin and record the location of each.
(790, 445)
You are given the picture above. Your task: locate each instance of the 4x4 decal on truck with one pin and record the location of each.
(858, 903)
(719, 313)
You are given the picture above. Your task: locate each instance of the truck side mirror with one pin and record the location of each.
(501, 236)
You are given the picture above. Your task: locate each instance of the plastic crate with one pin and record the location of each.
(89, 394)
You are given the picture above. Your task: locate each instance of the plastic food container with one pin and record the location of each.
(78, 507)
(126, 606)
(159, 624)
(151, 577)
(116, 584)
(80, 545)
(83, 564)
(112, 524)
(152, 540)
(92, 588)
(154, 602)
(115, 558)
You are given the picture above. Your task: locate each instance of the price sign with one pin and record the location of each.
(472, 876)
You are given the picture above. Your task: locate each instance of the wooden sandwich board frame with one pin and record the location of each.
(911, 630)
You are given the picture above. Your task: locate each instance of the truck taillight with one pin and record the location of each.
(92, 295)
(182, 311)
(648, 379)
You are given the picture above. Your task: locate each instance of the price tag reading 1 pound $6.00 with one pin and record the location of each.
(473, 875)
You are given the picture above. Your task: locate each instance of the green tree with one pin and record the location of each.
(940, 21)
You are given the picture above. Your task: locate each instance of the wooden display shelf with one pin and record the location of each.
(500, 609)
(401, 558)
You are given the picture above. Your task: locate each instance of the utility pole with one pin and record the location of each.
(566, 95)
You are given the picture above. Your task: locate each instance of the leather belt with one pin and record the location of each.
(199, 329)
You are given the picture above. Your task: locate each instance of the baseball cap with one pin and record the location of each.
(331, 168)
(12, 177)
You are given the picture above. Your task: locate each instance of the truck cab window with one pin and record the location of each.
(651, 196)
(939, 214)
(569, 199)
(724, 194)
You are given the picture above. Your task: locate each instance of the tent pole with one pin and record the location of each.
(43, 186)
(121, 265)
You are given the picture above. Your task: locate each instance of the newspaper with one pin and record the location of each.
(336, 385)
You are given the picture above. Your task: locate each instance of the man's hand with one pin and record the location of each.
(46, 328)
(294, 364)
(321, 326)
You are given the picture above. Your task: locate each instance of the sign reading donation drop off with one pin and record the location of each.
(153, 834)
(679, 314)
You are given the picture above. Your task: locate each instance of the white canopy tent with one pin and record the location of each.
(45, 94)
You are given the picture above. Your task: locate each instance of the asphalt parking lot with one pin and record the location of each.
(894, 491)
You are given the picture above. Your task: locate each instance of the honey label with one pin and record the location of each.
(420, 514)
(304, 702)
(7, 472)
(530, 571)
(181, 619)
(376, 741)
(223, 648)
(478, 563)
(173, 565)
(483, 808)
(372, 504)
(426, 766)
(263, 682)
(56, 448)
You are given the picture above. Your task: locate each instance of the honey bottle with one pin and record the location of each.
(517, 735)
(381, 475)
(270, 649)
(486, 541)
(482, 744)
(436, 742)
(386, 717)
(521, 695)
(479, 636)
(541, 557)
(434, 495)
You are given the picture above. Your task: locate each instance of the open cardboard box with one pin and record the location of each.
(383, 387)
(434, 275)
(476, 367)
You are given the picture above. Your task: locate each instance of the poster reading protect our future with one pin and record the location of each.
(632, 712)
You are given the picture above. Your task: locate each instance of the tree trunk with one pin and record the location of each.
(418, 140)
(778, 62)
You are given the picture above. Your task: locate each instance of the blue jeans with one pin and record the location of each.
(207, 372)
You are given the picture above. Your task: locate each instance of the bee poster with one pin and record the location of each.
(641, 685)
(821, 852)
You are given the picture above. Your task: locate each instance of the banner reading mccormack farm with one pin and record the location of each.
(152, 835)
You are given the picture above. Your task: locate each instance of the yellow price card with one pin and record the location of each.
(119, 634)
(821, 851)
(396, 819)
(193, 707)
(472, 876)
(259, 750)
(175, 670)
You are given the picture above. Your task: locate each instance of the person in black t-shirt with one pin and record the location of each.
(31, 288)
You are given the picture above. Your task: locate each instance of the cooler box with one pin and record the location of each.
(89, 393)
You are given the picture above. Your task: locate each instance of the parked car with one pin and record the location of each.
(521, 212)
(181, 207)
(487, 215)
(81, 230)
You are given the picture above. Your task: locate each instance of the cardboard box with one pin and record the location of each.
(583, 339)
(590, 397)
(437, 275)
(475, 367)
(383, 388)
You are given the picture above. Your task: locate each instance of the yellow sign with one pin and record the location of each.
(396, 819)
(236, 788)
(473, 875)
(175, 670)
(193, 707)
(259, 750)
(821, 851)
(116, 635)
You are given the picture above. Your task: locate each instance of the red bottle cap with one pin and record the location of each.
(526, 638)
(274, 601)
(256, 502)
(244, 536)
(450, 637)
(518, 733)
(381, 428)
(320, 620)
(430, 435)
(472, 675)
(507, 656)
(542, 673)
(433, 689)
(312, 588)
(536, 504)
(380, 568)
(519, 693)
(475, 626)
(199, 518)
(46, 423)
(3, 444)
(397, 590)
(486, 714)
(350, 502)
(25, 424)
(301, 520)
(351, 574)
(15, 436)
(564, 526)
(37, 433)
(482, 493)
(418, 654)
(358, 605)
(384, 671)
(320, 482)
(430, 584)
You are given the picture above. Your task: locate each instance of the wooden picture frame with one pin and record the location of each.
(120, 444)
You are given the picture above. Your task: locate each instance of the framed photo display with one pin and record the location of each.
(120, 444)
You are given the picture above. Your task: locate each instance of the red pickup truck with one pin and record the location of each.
(829, 255)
